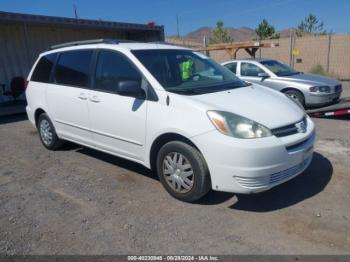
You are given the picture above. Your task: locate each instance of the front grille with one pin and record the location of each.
(288, 130)
(292, 147)
(285, 130)
(273, 179)
(284, 175)
(337, 88)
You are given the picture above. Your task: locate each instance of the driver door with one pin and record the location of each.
(118, 123)
(250, 72)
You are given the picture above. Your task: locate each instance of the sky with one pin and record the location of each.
(193, 14)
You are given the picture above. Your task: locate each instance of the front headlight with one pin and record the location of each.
(320, 89)
(237, 126)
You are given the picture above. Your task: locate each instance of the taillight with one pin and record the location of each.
(26, 83)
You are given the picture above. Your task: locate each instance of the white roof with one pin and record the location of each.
(138, 46)
(119, 46)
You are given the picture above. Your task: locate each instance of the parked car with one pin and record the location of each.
(172, 110)
(306, 89)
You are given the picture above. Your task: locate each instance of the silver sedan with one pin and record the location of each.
(306, 89)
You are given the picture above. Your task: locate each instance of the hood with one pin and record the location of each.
(263, 105)
(311, 79)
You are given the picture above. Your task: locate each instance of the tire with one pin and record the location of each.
(175, 162)
(47, 133)
(296, 96)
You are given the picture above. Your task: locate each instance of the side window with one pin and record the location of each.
(73, 68)
(112, 68)
(232, 67)
(248, 69)
(43, 69)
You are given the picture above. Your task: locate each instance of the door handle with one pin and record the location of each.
(95, 99)
(82, 96)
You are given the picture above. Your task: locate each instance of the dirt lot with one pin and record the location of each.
(80, 201)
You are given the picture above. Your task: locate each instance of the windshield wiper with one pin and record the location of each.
(182, 90)
(206, 89)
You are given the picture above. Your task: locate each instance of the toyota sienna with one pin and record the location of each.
(171, 109)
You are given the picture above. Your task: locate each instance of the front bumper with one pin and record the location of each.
(321, 99)
(255, 165)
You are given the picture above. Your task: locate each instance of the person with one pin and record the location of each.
(186, 68)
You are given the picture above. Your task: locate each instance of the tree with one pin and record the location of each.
(220, 35)
(266, 31)
(311, 25)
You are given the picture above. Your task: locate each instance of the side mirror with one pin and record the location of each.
(263, 75)
(131, 88)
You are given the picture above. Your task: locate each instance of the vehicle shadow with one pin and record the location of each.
(308, 184)
(212, 198)
(114, 160)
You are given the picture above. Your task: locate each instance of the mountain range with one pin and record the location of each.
(238, 34)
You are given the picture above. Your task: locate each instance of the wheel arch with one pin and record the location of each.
(162, 140)
(292, 89)
(39, 111)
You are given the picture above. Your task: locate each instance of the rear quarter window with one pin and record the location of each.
(73, 68)
(43, 68)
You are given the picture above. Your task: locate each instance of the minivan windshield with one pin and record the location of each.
(278, 68)
(187, 72)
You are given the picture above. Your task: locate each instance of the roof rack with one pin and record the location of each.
(89, 42)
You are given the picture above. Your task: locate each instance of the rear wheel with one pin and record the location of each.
(47, 133)
(296, 96)
(183, 172)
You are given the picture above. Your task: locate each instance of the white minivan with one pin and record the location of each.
(172, 110)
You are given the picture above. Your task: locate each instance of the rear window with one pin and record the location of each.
(43, 69)
(73, 68)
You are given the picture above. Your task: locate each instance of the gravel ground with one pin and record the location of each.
(80, 201)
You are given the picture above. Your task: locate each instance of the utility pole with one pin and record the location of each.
(205, 44)
(329, 51)
(177, 25)
(75, 11)
(291, 47)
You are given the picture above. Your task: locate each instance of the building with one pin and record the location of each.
(24, 36)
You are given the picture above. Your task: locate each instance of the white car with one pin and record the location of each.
(172, 110)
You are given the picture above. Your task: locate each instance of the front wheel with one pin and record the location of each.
(297, 97)
(183, 171)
